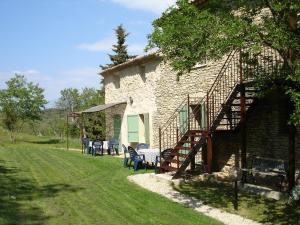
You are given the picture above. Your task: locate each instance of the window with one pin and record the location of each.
(200, 64)
(117, 126)
(142, 72)
(117, 82)
(133, 128)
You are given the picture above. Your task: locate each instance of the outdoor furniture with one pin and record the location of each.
(97, 147)
(165, 159)
(105, 145)
(261, 166)
(85, 142)
(113, 147)
(150, 154)
(142, 146)
(90, 147)
(126, 156)
(135, 158)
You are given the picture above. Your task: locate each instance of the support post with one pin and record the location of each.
(188, 112)
(159, 134)
(177, 154)
(193, 162)
(209, 153)
(291, 157)
(81, 132)
(207, 112)
(67, 131)
(236, 192)
(243, 121)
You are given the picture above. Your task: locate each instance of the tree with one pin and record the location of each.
(21, 101)
(120, 49)
(69, 100)
(72, 100)
(90, 97)
(188, 33)
(94, 123)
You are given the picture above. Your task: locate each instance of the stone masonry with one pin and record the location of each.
(158, 92)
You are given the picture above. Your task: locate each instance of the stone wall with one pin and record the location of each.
(267, 134)
(109, 119)
(136, 85)
(159, 93)
(172, 89)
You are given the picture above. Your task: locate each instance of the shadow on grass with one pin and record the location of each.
(48, 142)
(17, 197)
(261, 209)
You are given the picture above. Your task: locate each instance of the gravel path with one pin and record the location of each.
(162, 184)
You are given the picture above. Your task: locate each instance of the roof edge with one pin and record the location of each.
(138, 59)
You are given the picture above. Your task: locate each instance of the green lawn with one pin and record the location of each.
(255, 207)
(42, 185)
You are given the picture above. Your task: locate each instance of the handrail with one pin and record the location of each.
(225, 65)
(218, 94)
(174, 114)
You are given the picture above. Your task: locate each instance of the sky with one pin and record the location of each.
(61, 43)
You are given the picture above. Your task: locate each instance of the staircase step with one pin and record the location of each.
(169, 168)
(189, 142)
(183, 148)
(194, 135)
(194, 131)
(183, 155)
(174, 161)
(251, 90)
(246, 97)
(238, 104)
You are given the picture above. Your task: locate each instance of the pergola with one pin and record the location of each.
(80, 115)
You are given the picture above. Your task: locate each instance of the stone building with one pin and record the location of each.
(149, 92)
(145, 92)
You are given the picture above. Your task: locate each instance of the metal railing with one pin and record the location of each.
(203, 114)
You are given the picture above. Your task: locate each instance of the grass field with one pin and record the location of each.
(43, 185)
(255, 207)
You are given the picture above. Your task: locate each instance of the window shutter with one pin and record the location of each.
(147, 131)
(133, 128)
(117, 126)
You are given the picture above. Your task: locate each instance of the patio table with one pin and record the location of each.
(150, 154)
(105, 145)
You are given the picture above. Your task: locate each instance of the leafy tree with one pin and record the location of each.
(189, 33)
(90, 97)
(69, 100)
(21, 101)
(120, 49)
(94, 125)
(72, 100)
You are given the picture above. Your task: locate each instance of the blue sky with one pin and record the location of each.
(60, 43)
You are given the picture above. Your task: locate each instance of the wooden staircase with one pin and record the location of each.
(224, 107)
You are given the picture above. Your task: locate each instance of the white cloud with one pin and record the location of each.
(54, 83)
(105, 45)
(73, 78)
(102, 45)
(155, 6)
(136, 48)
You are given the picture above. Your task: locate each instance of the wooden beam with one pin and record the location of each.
(67, 131)
(243, 130)
(209, 154)
(193, 161)
(291, 157)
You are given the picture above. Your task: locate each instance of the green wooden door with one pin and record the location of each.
(203, 115)
(183, 119)
(133, 128)
(117, 126)
(147, 131)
